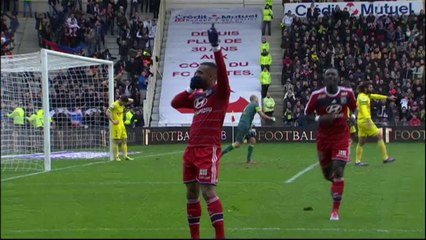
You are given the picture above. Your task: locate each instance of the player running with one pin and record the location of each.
(201, 159)
(366, 126)
(331, 104)
(244, 127)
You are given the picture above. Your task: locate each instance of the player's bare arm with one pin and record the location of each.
(264, 116)
(109, 115)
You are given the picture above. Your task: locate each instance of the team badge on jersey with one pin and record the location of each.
(343, 100)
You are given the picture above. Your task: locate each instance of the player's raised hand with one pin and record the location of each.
(115, 122)
(213, 36)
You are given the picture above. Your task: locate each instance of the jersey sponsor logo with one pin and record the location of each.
(203, 110)
(342, 153)
(200, 102)
(335, 108)
(203, 172)
(334, 101)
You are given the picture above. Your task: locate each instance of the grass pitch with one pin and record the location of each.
(145, 198)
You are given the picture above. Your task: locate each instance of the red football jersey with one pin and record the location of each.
(209, 108)
(322, 103)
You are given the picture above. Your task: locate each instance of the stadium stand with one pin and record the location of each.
(386, 50)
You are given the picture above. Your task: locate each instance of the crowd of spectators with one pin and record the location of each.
(8, 32)
(65, 26)
(86, 31)
(387, 50)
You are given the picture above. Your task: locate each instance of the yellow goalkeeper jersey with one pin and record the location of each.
(117, 111)
(363, 103)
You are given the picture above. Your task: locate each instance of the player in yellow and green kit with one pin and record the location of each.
(366, 126)
(115, 114)
(244, 129)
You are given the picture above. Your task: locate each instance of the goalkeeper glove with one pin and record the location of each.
(273, 119)
(213, 36)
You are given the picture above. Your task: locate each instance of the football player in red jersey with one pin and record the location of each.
(208, 94)
(331, 104)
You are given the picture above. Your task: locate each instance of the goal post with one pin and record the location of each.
(64, 98)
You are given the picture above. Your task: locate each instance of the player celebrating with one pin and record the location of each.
(366, 126)
(331, 104)
(201, 159)
(119, 134)
(243, 129)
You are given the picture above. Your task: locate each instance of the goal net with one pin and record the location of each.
(53, 107)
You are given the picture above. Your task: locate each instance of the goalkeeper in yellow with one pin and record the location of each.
(366, 126)
(115, 114)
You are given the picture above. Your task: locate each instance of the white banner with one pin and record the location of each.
(359, 8)
(188, 45)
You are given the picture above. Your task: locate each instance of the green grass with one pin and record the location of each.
(145, 198)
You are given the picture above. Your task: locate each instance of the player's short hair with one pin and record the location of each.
(363, 86)
(124, 98)
(211, 65)
(253, 97)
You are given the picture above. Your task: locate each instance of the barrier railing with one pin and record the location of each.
(148, 103)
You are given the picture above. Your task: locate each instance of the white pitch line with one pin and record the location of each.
(83, 165)
(104, 229)
(301, 173)
(112, 183)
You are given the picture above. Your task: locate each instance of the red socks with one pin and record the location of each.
(193, 208)
(337, 193)
(214, 206)
(215, 209)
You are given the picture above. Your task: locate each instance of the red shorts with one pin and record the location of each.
(328, 151)
(201, 164)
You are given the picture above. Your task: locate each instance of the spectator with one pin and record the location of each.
(415, 121)
(13, 22)
(264, 45)
(123, 49)
(142, 84)
(288, 117)
(312, 13)
(265, 81)
(155, 7)
(129, 120)
(287, 22)
(269, 105)
(139, 121)
(91, 40)
(152, 30)
(76, 117)
(27, 8)
(145, 3)
(265, 60)
(267, 18)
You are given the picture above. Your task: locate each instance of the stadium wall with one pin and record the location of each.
(41, 5)
(171, 135)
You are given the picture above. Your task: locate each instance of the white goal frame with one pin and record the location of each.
(43, 67)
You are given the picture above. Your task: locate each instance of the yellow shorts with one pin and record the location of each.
(353, 129)
(366, 128)
(119, 132)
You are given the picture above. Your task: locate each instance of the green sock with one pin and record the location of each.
(228, 149)
(250, 152)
